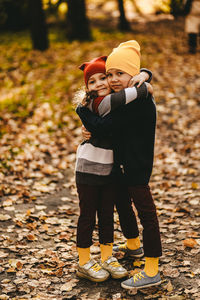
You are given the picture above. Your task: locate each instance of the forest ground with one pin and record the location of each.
(39, 205)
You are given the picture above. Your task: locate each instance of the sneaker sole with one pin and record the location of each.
(126, 255)
(118, 276)
(82, 275)
(139, 287)
(135, 256)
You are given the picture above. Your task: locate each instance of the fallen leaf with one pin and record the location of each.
(11, 270)
(4, 217)
(170, 272)
(133, 291)
(169, 286)
(19, 265)
(138, 263)
(190, 243)
(67, 287)
(195, 185)
(31, 237)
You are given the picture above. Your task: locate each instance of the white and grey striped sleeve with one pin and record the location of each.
(123, 97)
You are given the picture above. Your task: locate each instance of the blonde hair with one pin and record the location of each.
(84, 97)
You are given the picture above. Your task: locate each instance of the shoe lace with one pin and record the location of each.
(138, 276)
(115, 264)
(96, 267)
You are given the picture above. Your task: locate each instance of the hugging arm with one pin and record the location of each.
(97, 125)
(136, 90)
(144, 76)
(104, 126)
(115, 100)
(148, 72)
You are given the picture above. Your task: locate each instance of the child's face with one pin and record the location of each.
(98, 83)
(117, 79)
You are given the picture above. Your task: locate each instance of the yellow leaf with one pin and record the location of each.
(137, 263)
(11, 270)
(45, 227)
(195, 185)
(28, 212)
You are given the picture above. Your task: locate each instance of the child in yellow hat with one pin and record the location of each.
(133, 131)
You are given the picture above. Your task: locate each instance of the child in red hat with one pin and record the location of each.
(96, 176)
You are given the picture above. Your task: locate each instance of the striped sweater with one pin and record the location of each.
(94, 158)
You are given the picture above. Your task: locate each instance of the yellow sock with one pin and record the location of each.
(151, 266)
(106, 251)
(133, 244)
(84, 255)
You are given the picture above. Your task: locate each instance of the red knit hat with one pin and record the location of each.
(97, 65)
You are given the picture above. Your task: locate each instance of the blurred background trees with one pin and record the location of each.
(38, 29)
(123, 22)
(176, 7)
(13, 14)
(77, 21)
(73, 14)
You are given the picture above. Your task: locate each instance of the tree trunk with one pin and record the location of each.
(123, 23)
(77, 22)
(38, 27)
(13, 15)
(177, 7)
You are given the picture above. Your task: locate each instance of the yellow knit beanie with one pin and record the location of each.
(126, 57)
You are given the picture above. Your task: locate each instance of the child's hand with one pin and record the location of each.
(86, 134)
(140, 79)
(149, 88)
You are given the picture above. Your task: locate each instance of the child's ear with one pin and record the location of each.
(82, 67)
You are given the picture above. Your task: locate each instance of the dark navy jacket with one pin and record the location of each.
(132, 130)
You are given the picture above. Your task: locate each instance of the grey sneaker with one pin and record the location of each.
(141, 280)
(92, 271)
(114, 268)
(137, 253)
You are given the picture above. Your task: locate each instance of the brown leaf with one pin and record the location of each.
(32, 226)
(19, 265)
(58, 272)
(19, 223)
(31, 237)
(170, 272)
(169, 286)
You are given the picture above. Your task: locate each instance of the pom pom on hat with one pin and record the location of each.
(126, 57)
(96, 65)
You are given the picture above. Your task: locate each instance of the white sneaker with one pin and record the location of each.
(114, 268)
(92, 271)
